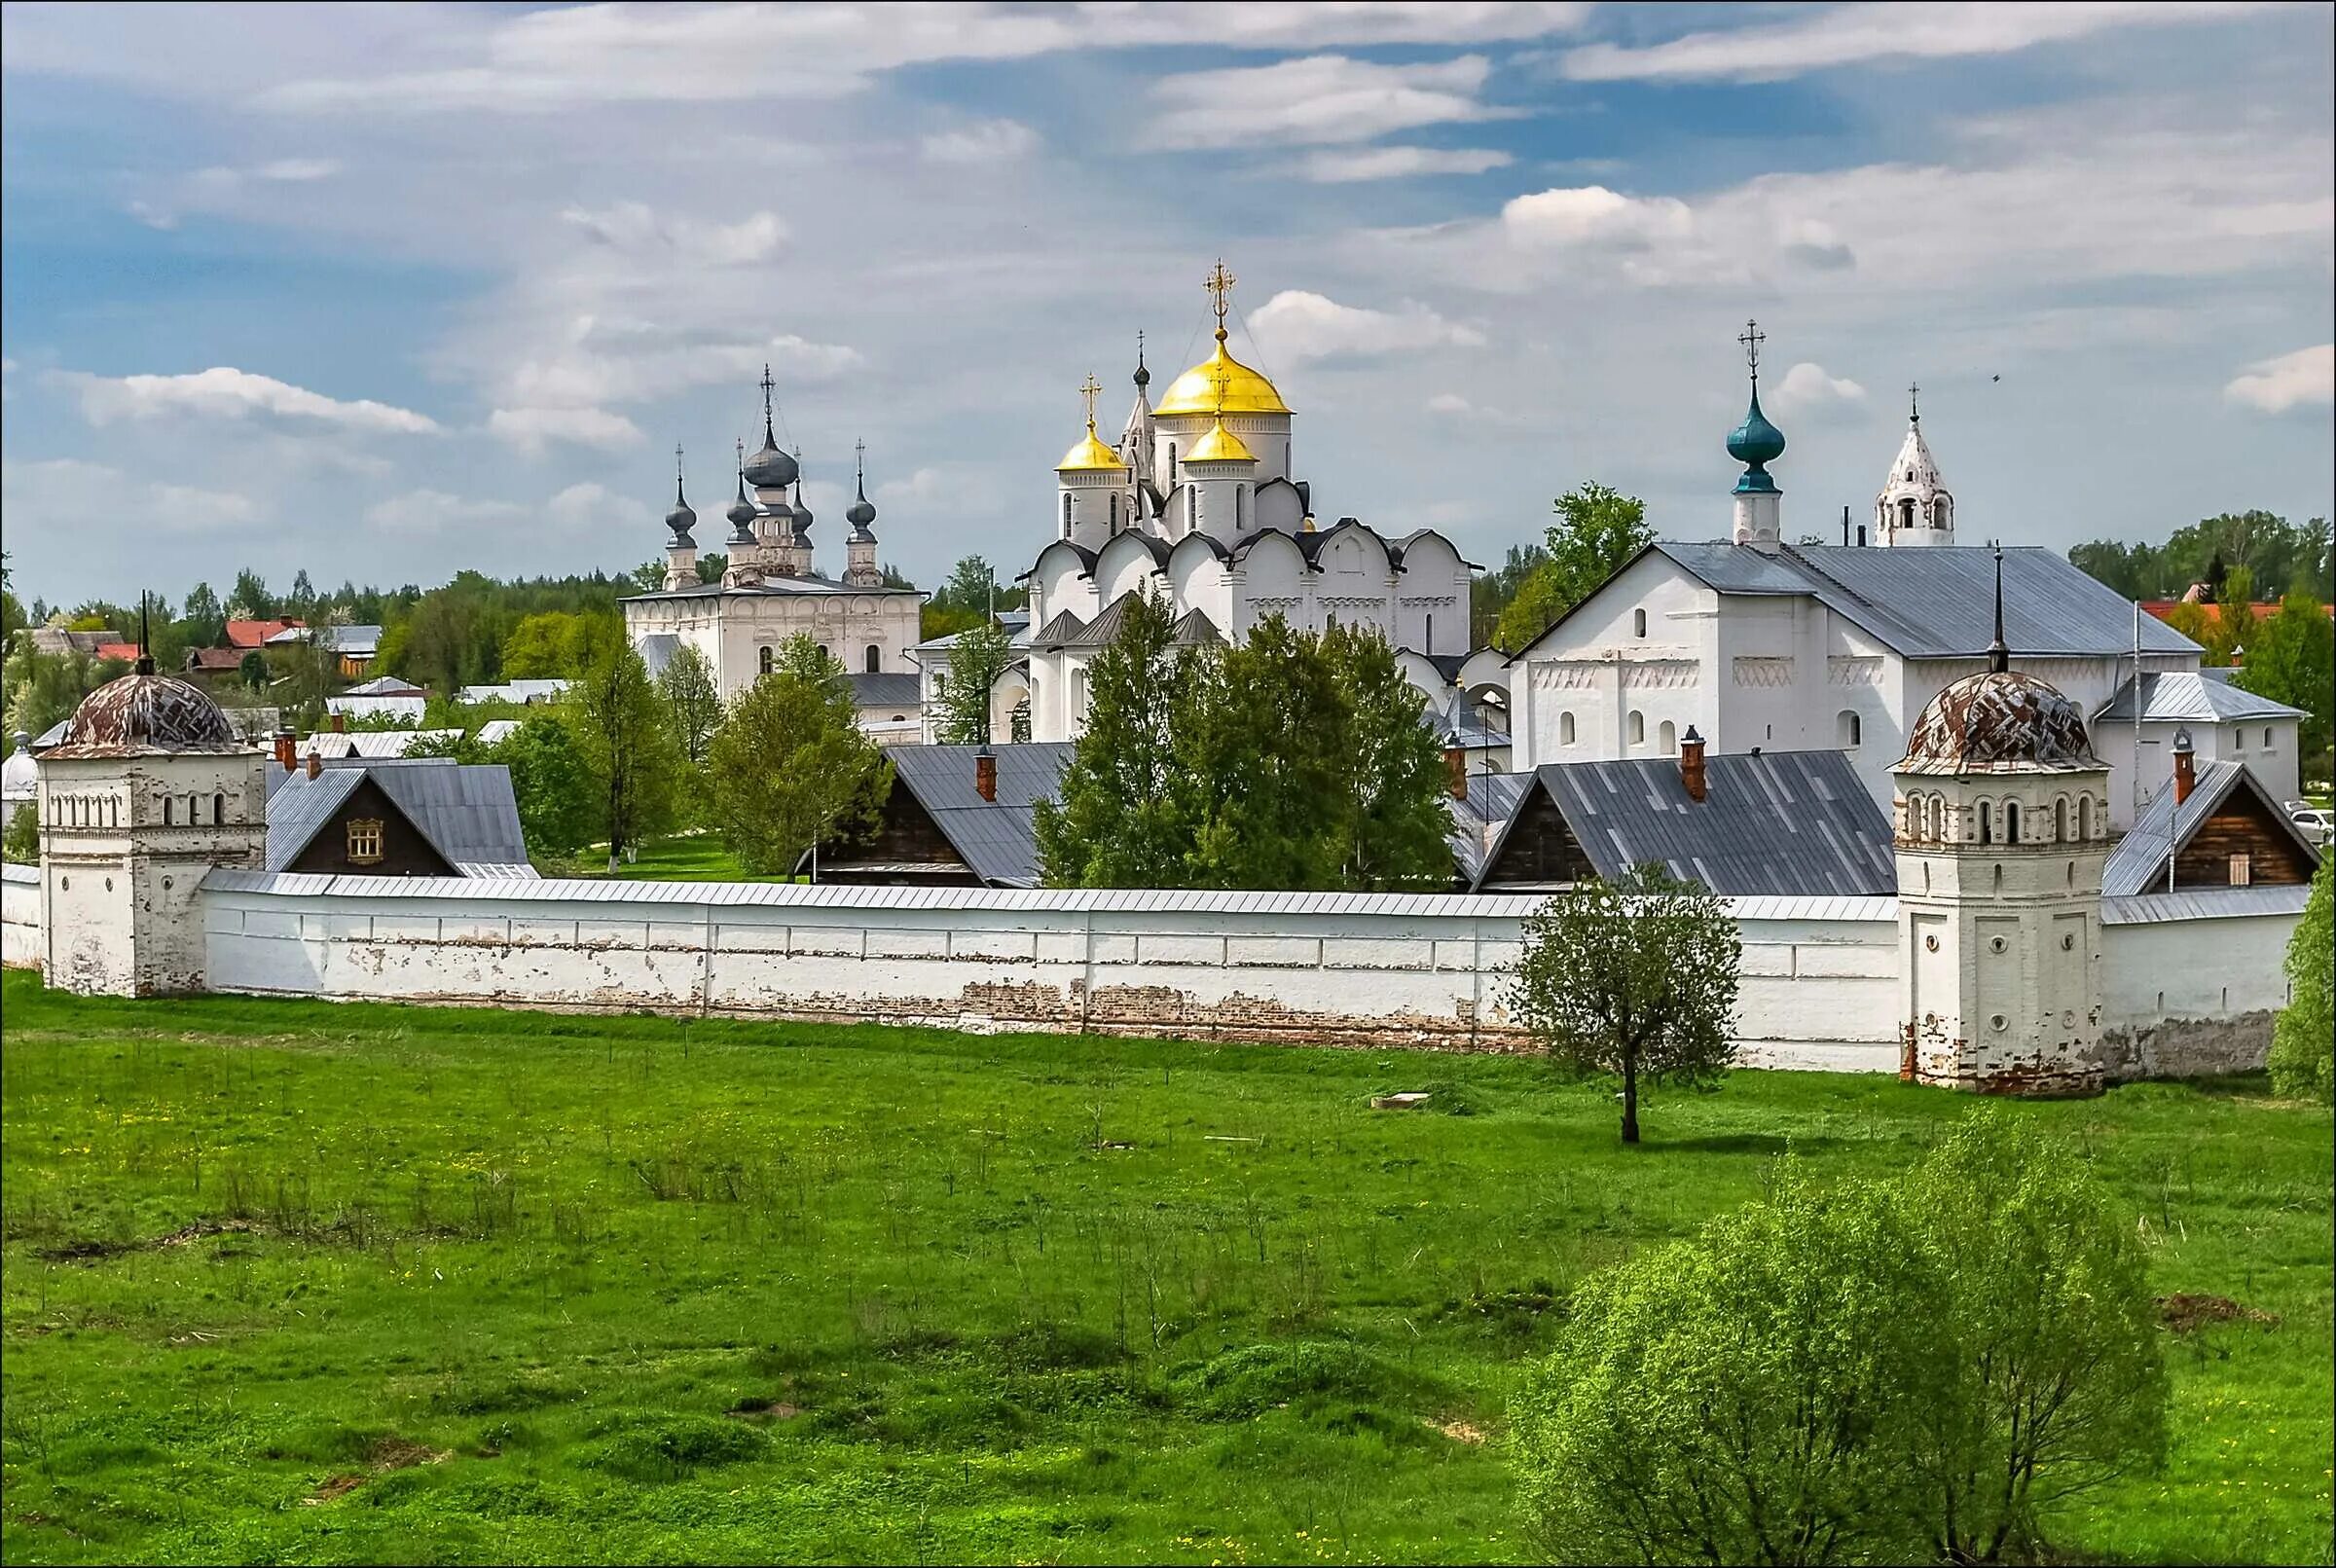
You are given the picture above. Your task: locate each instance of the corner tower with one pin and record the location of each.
(1913, 507)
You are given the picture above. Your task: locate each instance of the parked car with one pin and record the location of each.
(2316, 820)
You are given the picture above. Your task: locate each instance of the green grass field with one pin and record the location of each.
(676, 857)
(297, 1282)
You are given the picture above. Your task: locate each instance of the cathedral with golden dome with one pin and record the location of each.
(1197, 502)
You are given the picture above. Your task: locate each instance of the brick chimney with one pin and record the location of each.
(340, 723)
(985, 774)
(315, 763)
(1455, 767)
(285, 756)
(2185, 771)
(1690, 763)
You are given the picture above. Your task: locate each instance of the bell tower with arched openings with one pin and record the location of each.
(1914, 507)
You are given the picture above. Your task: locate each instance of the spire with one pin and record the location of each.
(1913, 403)
(1755, 442)
(1143, 374)
(145, 665)
(680, 519)
(679, 499)
(1999, 655)
(768, 438)
(1220, 283)
(1087, 390)
(863, 511)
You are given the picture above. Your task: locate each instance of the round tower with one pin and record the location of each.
(150, 788)
(861, 570)
(2001, 831)
(1756, 443)
(1220, 390)
(681, 549)
(1913, 507)
(1092, 501)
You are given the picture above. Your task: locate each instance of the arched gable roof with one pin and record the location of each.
(1119, 545)
(1349, 526)
(1296, 542)
(1085, 555)
(1404, 546)
(1202, 541)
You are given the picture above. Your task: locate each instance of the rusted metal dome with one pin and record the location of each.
(141, 715)
(1999, 722)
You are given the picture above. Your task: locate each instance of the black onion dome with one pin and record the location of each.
(146, 716)
(769, 468)
(1999, 722)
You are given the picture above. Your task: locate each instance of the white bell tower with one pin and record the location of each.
(1914, 507)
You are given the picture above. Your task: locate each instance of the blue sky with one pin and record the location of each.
(385, 292)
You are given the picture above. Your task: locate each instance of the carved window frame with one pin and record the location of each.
(364, 840)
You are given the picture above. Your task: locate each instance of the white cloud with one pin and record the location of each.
(1855, 34)
(1397, 162)
(225, 392)
(71, 495)
(985, 142)
(434, 511)
(2275, 385)
(609, 360)
(635, 228)
(592, 504)
(1807, 389)
(533, 429)
(1460, 411)
(1298, 325)
(1320, 99)
(1592, 215)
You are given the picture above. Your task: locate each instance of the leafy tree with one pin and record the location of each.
(1393, 814)
(557, 644)
(790, 765)
(250, 600)
(2303, 1039)
(648, 577)
(1730, 1399)
(2292, 660)
(13, 620)
(1118, 820)
(2042, 1376)
(711, 563)
(1596, 534)
(552, 784)
(619, 727)
(1259, 745)
(2277, 554)
(21, 844)
(1635, 977)
(971, 594)
(45, 688)
(693, 701)
(205, 618)
(252, 671)
(1490, 591)
(981, 654)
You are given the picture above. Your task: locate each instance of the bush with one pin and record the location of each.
(2303, 1051)
(1901, 1373)
(23, 837)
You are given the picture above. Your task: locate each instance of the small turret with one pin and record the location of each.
(681, 549)
(1913, 507)
(1756, 443)
(859, 568)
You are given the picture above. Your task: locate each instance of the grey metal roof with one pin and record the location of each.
(1939, 603)
(384, 686)
(1478, 820)
(1104, 628)
(882, 689)
(2189, 696)
(1780, 822)
(1193, 628)
(2165, 824)
(468, 813)
(811, 583)
(2204, 903)
(993, 838)
(350, 639)
(1058, 631)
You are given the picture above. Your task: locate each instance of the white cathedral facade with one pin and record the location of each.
(1197, 502)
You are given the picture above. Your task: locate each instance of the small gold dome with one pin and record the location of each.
(1244, 390)
(1219, 445)
(1089, 455)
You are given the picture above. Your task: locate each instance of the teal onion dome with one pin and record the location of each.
(1755, 442)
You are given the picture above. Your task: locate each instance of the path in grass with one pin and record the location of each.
(359, 1282)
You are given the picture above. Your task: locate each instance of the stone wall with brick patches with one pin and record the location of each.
(20, 916)
(2188, 997)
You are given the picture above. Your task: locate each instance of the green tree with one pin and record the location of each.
(981, 654)
(250, 600)
(2303, 1039)
(1596, 534)
(1117, 820)
(619, 727)
(2043, 1377)
(971, 594)
(1731, 1399)
(790, 766)
(2292, 660)
(45, 688)
(1393, 817)
(1490, 591)
(552, 784)
(557, 644)
(1260, 739)
(1635, 977)
(711, 563)
(21, 844)
(693, 701)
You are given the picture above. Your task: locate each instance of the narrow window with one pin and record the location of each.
(1171, 462)
(2084, 816)
(1429, 637)
(2237, 737)
(2266, 736)
(1668, 738)
(1191, 507)
(169, 806)
(1848, 730)
(2059, 820)
(1066, 514)
(218, 810)
(364, 840)
(2243, 871)
(1115, 511)
(1638, 729)
(1906, 510)
(875, 660)
(1565, 729)
(1987, 822)
(763, 657)
(1638, 623)
(2011, 822)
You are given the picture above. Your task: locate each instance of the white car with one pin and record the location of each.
(2316, 820)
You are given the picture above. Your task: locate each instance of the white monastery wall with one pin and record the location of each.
(2184, 997)
(20, 916)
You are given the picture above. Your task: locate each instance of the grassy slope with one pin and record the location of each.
(676, 857)
(988, 1337)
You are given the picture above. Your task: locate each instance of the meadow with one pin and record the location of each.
(300, 1281)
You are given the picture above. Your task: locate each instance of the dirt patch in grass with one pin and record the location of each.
(93, 1251)
(385, 1455)
(776, 1411)
(1459, 1430)
(2185, 1312)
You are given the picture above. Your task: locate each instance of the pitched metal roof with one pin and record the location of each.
(384, 686)
(884, 689)
(1193, 628)
(995, 838)
(2204, 903)
(1478, 820)
(467, 814)
(1797, 823)
(2165, 824)
(1104, 628)
(2190, 696)
(1939, 603)
(1057, 632)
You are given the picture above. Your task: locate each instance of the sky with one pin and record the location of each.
(388, 292)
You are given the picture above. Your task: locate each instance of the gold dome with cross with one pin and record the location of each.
(1090, 453)
(1243, 390)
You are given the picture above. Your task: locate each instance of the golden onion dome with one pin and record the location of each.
(1220, 385)
(1089, 455)
(1219, 445)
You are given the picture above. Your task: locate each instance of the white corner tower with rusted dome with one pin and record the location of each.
(150, 788)
(2002, 827)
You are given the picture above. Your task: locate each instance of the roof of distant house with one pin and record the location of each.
(2165, 824)
(118, 650)
(993, 838)
(2260, 610)
(254, 634)
(385, 686)
(467, 813)
(2189, 696)
(216, 657)
(354, 641)
(884, 689)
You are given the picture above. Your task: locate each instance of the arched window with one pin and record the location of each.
(1850, 729)
(1987, 822)
(1171, 462)
(1066, 514)
(1667, 738)
(218, 810)
(2000, 879)
(824, 654)
(2011, 822)
(2084, 816)
(1191, 507)
(169, 806)
(1905, 511)
(1638, 623)
(763, 658)
(1638, 728)
(875, 659)
(1565, 729)
(1942, 513)
(1240, 507)
(2059, 820)
(1115, 511)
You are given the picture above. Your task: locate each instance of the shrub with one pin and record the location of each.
(2303, 1042)
(23, 837)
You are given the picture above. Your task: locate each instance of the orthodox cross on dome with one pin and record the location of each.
(1088, 390)
(859, 463)
(1752, 338)
(768, 439)
(1913, 403)
(1220, 283)
(677, 470)
(2000, 654)
(741, 460)
(1221, 378)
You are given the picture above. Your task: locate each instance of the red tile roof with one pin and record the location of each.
(117, 650)
(251, 633)
(214, 658)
